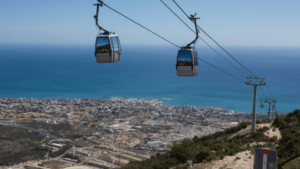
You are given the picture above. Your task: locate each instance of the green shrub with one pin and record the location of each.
(204, 154)
(243, 124)
(182, 151)
(263, 121)
(273, 139)
(264, 129)
(221, 157)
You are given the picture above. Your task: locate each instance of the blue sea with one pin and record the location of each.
(71, 71)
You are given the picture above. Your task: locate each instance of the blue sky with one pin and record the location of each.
(230, 22)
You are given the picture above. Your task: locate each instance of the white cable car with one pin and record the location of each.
(107, 47)
(187, 57)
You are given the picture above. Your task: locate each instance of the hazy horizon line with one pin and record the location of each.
(152, 45)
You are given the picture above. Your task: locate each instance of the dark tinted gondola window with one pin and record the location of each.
(184, 56)
(115, 43)
(102, 45)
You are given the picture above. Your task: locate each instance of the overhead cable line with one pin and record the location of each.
(180, 8)
(141, 25)
(225, 50)
(201, 38)
(218, 45)
(215, 41)
(177, 16)
(263, 92)
(223, 57)
(212, 47)
(269, 91)
(258, 95)
(221, 70)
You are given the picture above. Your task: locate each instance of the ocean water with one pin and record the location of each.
(66, 71)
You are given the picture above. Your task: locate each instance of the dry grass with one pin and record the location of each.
(258, 126)
(242, 160)
(270, 133)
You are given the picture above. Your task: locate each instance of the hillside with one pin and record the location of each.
(17, 145)
(232, 147)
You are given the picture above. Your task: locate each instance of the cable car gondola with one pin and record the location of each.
(273, 107)
(261, 105)
(187, 62)
(107, 47)
(187, 57)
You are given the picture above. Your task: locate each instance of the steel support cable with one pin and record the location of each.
(263, 92)
(212, 40)
(221, 70)
(223, 57)
(269, 91)
(215, 41)
(233, 58)
(218, 45)
(207, 45)
(227, 74)
(141, 25)
(225, 50)
(177, 16)
(181, 9)
(200, 37)
(258, 95)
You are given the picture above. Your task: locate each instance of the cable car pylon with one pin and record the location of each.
(255, 81)
(270, 101)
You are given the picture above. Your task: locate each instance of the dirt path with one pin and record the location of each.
(242, 160)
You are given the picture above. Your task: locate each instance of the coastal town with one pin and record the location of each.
(110, 133)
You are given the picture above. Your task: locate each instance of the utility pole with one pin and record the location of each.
(254, 81)
(270, 101)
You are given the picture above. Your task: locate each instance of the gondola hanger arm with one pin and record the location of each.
(194, 20)
(97, 14)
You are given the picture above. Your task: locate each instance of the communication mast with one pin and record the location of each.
(254, 81)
